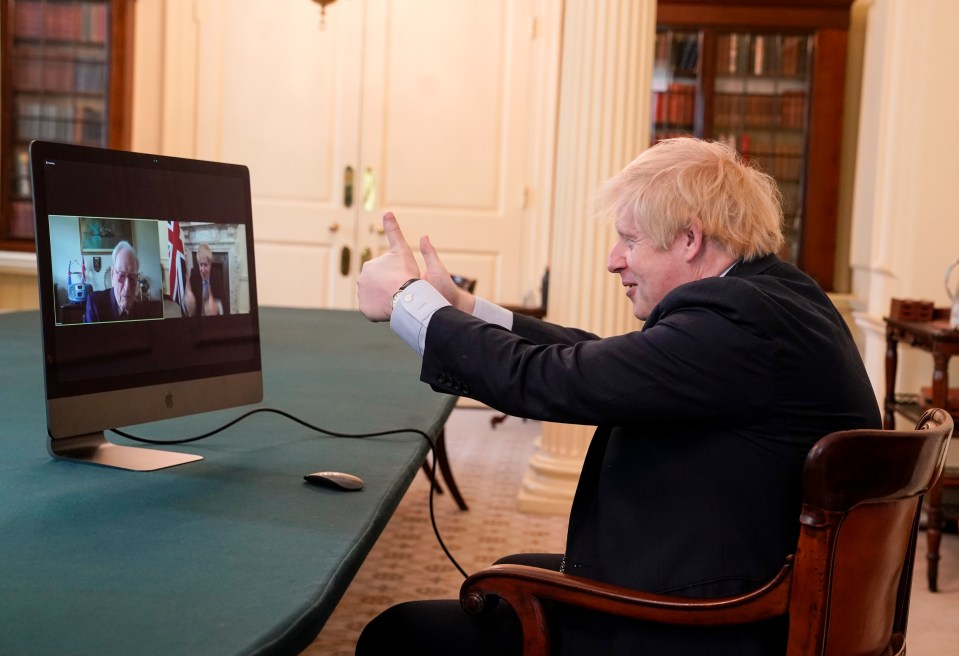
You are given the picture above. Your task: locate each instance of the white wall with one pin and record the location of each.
(904, 231)
(903, 235)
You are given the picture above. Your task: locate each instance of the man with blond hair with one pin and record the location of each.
(691, 485)
(201, 298)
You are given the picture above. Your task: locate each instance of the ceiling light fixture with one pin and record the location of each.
(323, 4)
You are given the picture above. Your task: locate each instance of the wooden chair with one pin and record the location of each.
(845, 590)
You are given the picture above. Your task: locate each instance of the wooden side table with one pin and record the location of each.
(942, 342)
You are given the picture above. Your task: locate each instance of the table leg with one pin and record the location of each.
(934, 520)
(892, 361)
(444, 464)
(934, 515)
(428, 470)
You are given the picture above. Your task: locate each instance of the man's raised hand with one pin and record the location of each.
(382, 276)
(437, 275)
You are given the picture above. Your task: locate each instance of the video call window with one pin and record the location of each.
(127, 269)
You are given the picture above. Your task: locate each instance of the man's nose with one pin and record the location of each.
(615, 262)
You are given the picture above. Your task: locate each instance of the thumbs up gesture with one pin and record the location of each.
(382, 276)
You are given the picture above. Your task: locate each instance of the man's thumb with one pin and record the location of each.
(430, 256)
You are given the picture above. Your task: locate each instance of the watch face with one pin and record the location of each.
(399, 291)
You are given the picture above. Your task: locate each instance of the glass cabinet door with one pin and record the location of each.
(750, 90)
(57, 88)
(676, 85)
(760, 104)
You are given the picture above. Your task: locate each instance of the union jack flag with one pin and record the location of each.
(177, 264)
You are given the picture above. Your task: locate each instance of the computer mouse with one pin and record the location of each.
(338, 480)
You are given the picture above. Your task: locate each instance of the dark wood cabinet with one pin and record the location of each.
(66, 76)
(768, 78)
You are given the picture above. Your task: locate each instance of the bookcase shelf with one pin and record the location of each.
(66, 76)
(767, 78)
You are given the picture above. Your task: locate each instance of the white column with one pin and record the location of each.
(905, 231)
(605, 93)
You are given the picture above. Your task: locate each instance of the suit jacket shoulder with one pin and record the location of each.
(101, 306)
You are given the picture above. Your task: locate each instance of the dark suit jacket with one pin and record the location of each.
(102, 306)
(691, 484)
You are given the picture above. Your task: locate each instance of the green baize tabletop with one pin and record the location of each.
(232, 554)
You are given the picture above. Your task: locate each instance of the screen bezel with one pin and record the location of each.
(175, 189)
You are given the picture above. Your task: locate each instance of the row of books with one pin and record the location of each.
(780, 158)
(782, 55)
(792, 208)
(22, 173)
(677, 51)
(661, 134)
(61, 21)
(762, 55)
(32, 71)
(77, 121)
(676, 105)
(785, 110)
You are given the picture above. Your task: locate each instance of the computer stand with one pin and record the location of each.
(95, 449)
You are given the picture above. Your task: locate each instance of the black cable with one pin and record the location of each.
(325, 431)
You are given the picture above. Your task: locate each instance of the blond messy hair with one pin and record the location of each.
(205, 251)
(680, 180)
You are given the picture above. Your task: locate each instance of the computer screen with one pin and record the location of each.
(147, 294)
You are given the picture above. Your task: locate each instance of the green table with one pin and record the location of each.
(232, 554)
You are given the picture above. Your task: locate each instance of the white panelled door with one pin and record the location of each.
(424, 104)
(289, 111)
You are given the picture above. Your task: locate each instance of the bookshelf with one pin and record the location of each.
(768, 78)
(65, 76)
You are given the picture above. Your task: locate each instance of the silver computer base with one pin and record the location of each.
(97, 450)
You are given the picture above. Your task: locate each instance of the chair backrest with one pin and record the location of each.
(862, 495)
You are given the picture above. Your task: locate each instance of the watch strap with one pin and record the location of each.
(399, 291)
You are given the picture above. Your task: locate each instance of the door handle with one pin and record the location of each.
(369, 189)
(345, 257)
(348, 186)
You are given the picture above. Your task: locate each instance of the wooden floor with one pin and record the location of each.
(407, 563)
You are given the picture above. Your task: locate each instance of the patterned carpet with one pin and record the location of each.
(407, 563)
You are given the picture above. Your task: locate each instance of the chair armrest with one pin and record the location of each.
(520, 585)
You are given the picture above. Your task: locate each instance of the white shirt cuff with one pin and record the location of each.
(412, 313)
(417, 303)
(493, 313)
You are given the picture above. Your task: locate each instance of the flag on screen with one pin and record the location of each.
(177, 264)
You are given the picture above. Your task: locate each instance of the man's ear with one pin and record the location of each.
(693, 240)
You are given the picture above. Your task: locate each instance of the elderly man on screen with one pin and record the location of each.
(119, 302)
(692, 481)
